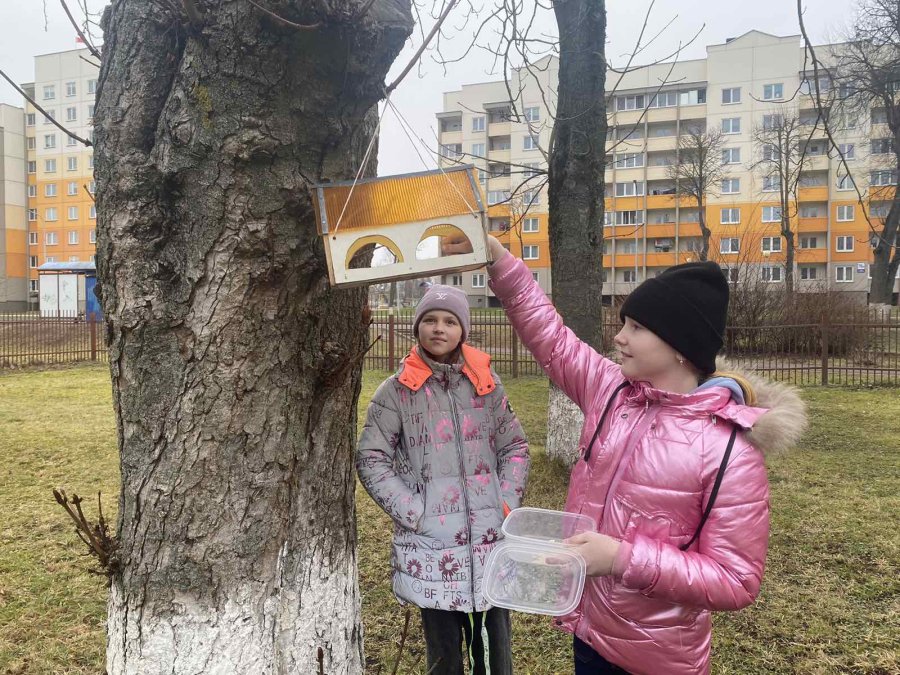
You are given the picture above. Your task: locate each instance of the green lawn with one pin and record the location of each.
(829, 602)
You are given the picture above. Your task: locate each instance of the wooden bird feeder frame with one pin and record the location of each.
(399, 212)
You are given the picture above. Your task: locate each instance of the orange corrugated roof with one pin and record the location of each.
(399, 199)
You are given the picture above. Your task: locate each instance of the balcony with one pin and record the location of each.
(503, 128)
(662, 143)
(816, 163)
(819, 193)
(810, 255)
(662, 114)
(819, 224)
(657, 173)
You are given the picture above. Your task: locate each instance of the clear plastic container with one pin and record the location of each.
(543, 525)
(532, 570)
(539, 579)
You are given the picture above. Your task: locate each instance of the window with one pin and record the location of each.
(731, 274)
(629, 217)
(477, 125)
(880, 209)
(848, 150)
(629, 133)
(770, 152)
(808, 273)
(32, 215)
(73, 215)
(497, 196)
(809, 242)
(531, 169)
(531, 142)
(731, 185)
(72, 163)
(33, 261)
(49, 141)
(92, 86)
(32, 167)
(773, 92)
(93, 236)
(845, 213)
(632, 189)
(92, 187)
(32, 143)
(884, 177)
(30, 119)
(92, 214)
(844, 244)
(73, 237)
(93, 259)
(50, 116)
(530, 225)
(882, 146)
(477, 150)
(33, 285)
(730, 216)
(770, 184)
(50, 165)
(73, 258)
(51, 259)
(90, 112)
(732, 95)
(71, 89)
(730, 245)
(532, 114)
(771, 244)
(667, 99)
(536, 276)
(529, 253)
(33, 238)
(50, 215)
(50, 190)
(478, 280)
(810, 212)
(633, 102)
(771, 274)
(731, 156)
(843, 273)
(771, 214)
(49, 92)
(629, 276)
(773, 121)
(692, 97)
(72, 188)
(629, 160)
(71, 114)
(71, 142)
(90, 162)
(50, 239)
(32, 190)
(846, 182)
(451, 150)
(531, 197)
(456, 279)
(731, 125)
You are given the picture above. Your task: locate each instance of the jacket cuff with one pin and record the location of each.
(623, 558)
(642, 570)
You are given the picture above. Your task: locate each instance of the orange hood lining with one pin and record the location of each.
(476, 367)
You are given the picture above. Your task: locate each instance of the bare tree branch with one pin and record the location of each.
(87, 43)
(28, 98)
(280, 19)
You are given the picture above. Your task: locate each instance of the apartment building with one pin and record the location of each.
(61, 215)
(742, 86)
(13, 273)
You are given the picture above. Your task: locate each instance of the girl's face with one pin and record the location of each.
(440, 333)
(645, 356)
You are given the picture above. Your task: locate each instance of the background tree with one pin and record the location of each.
(782, 142)
(235, 368)
(698, 171)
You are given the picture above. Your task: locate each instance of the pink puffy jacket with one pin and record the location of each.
(646, 483)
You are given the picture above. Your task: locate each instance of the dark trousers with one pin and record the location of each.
(444, 635)
(589, 662)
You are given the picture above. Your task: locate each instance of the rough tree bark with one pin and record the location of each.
(233, 363)
(575, 188)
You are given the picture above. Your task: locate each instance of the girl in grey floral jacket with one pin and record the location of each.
(444, 455)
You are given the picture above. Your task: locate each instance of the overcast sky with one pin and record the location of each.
(27, 33)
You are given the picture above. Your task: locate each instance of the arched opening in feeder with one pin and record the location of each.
(373, 251)
(429, 245)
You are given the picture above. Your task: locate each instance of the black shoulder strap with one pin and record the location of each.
(587, 454)
(715, 490)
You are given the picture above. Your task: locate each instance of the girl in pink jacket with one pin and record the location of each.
(670, 466)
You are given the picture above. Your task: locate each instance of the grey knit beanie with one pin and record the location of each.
(449, 299)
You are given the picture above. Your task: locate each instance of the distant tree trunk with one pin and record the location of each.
(234, 365)
(705, 232)
(576, 194)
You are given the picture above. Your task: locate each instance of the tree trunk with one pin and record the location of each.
(704, 231)
(235, 368)
(789, 253)
(576, 187)
(886, 257)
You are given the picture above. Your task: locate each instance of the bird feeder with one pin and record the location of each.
(398, 213)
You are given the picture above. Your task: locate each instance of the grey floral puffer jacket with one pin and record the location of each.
(441, 451)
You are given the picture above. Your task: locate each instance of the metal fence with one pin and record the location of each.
(863, 349)
(859, 350)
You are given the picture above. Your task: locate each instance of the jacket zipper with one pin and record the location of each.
(465, 490)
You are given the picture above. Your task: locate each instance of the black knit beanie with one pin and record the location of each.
(685, 306)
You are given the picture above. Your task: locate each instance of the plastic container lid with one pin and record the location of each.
(543, 525)
(535, 578)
